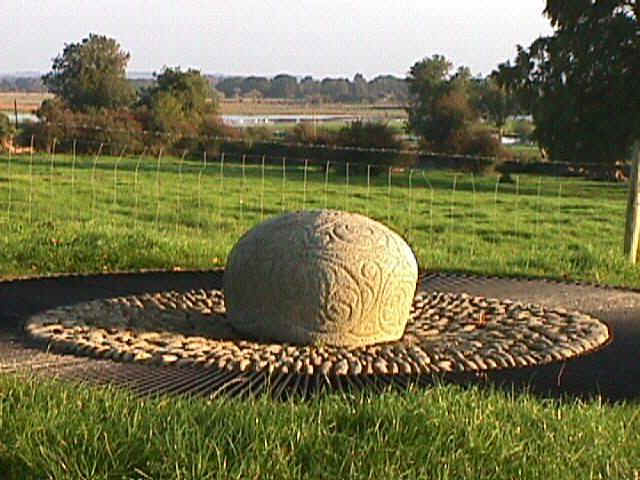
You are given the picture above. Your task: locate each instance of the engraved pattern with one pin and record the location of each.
(322, 276)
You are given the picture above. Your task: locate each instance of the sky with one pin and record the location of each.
(322, 38)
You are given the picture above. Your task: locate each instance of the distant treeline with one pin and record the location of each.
(380, 88)
(22, 84)
(383, 87)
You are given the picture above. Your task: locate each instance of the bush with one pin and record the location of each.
(374, 139)
(307, 133)
(480, 142)
(115, 130)
(6, 128)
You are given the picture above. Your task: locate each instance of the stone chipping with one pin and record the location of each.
(446, 332)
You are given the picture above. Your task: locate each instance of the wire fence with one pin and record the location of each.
(189, 211)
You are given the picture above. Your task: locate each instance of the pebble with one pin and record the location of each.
(446, 332)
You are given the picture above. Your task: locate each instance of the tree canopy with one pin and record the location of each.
(91, 74)
(582, 84)
(444, 108)
(383, 87)
(178, 103)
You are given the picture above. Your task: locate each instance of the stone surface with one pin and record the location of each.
(321, 277)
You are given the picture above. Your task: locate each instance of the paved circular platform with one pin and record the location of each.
(613, 371)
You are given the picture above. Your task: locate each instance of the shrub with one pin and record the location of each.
(480, 142)
(6, 128)
(379, 145)
(114, 129)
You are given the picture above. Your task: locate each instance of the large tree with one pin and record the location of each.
(494, 103)
(91, 74)
(179, 102)
(582, 84)
(284, 86)
(428, 82)
(440, 111)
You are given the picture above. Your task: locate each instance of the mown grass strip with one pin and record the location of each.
(52, 430)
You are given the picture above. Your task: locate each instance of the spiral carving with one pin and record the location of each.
(321, 277)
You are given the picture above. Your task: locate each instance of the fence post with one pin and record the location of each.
(632, 225)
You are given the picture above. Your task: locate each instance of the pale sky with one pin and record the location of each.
(316, 37)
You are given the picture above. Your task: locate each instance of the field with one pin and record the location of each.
(60, 213)
(30, 101)
(289, 107)
(26, 102)
(100, 213)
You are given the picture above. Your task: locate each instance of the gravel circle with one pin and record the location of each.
(446, 332)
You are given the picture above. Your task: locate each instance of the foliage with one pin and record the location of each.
(523, 129)
(309, 133)
(91, 74)
(493, 102)
(582, 84)
(22, 84)
(176, 106)
(479, 140)
(6, 128)
(373, 138)
(428, 83)
(283, 86)
(383, 87)
(115, 130)
(444, 109)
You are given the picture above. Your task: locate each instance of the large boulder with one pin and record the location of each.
(320, 277)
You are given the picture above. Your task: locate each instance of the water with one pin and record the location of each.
(22, 117)
(252, 120)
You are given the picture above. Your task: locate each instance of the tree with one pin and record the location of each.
(428, 83)
(260, 84)
(582, 84)
(360, 88)
(388, 87)
(442, 111)
(178, 103)
(336, 89)
(439, 108)
(309, 88)
(191, 90)
(91, 74)
(493, 102)
(284, 86)
(230, 86)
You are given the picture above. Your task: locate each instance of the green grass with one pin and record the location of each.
(48, 430)
(60, 214)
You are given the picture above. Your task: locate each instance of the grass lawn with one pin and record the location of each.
(49, 430)
(92, 214)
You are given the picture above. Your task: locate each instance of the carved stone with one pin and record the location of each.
(321, 277)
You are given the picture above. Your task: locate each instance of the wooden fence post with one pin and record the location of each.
(632, 226)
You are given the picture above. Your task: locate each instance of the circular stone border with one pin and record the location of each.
(446, 332)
